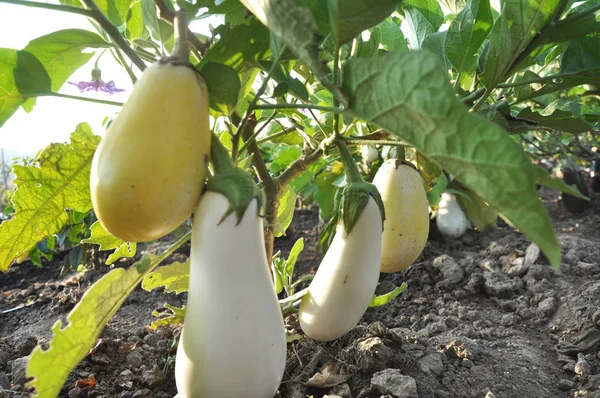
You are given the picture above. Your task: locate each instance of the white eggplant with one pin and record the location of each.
(233, 342)
(450, 219)
(406, 226)
(369, 153)
(345, 282)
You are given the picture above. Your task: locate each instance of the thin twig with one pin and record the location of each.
(167, 15)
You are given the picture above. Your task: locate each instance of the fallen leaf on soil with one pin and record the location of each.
(329, 376)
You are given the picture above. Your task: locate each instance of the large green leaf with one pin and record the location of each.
(518, 25)
(320, 13)
(545, 179)
(392, 38)
(295, 25)
(223, 86)
(477, 211)
(556, 117)
(62, 52)
(551, 84)
(174, 277)
(30, 75)
(454, 6)
(582, 54)
(467, 32)
(238, 44)
(59, 180)
(350, 17)
(10, 97)
(136, 29)
(409, 95)
(100, 236)
(72, 341)
(419, 28)
(430, 9)
(115, 10)
(582, 21)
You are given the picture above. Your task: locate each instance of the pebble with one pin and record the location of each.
(596, 317)
(441, 394)
(499, 284)
(433, 363)
(518, 270)
(566, 385)
(531, 254)
(142, 393)
(547, 306)
(509, 320)
(18, 370)
(153, 377)
(135, 359)
(391, 381)
(4, 382)
(75, 392)
(27, 346)
(101, 359)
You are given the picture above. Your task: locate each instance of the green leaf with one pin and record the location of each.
(434, 43)
(409, 95)
(238, 44)
(582, 54)
(430, 9)
(326, 190)
(31, 77)
(176, 316)
(350, 17)
(369, 48)
(223, 86)
(418, 27)
(136, 29)
(100, 236)
(10, 97)
(174, 277)
(295, 25)
(283, 157)
(477, 211)
(545, 179)
(61, 53)
(467, 32)
(71, 341)
(435, 195)
(588, 76)
(518, 25)
(59, 180)
(555, 118)
(320, 13)
(580, 22)
(290, 263)
(285, 213)
(392, 38)
(454, 6)
(429, 171)
(378, 301)
(115, 10)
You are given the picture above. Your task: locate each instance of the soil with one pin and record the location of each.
(483, 316)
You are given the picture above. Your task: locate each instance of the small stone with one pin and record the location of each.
(152, 339)
(451, 271)
(18, 370)
(547, 306)
(490, 395)
(125, 394)
(135, 359)
(539, 287)
(531, 254)
(466, 363)
(460, 294)
(509, 320)
(153, 377)
(596, 316)
(475, 283)
(537, 271)
(142, 393)
(500, 285)
(441, 394)
(433, 363)
(4, 382)
(518, 270)
(566, 385)
(75, 393)
(391, 381)
(27, 346)
(101, 359)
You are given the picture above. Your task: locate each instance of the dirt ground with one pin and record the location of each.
(483, 316)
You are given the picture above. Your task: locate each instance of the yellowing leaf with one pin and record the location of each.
(174, 277)
(176, 316)
(100, 236)
(59, 181)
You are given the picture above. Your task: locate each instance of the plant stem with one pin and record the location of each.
(271, 187)
(484, 97)
(277, 135)
(336, 77)
(48, 6)
(538, 80)
(350, 168)
(182, 47)
(74, 97)
(297, 167)
(473, 96)
(169, 16)
(254, 135)
(121, 59)
(114, 33)
(219, 155)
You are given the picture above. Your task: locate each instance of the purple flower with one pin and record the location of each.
(97, 85)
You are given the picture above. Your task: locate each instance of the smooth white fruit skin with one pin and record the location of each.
(450, 219)
(345, 282)
(233, 342)
(369, 153)
(406, 225)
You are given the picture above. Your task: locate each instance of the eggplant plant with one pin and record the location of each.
(283, 100)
